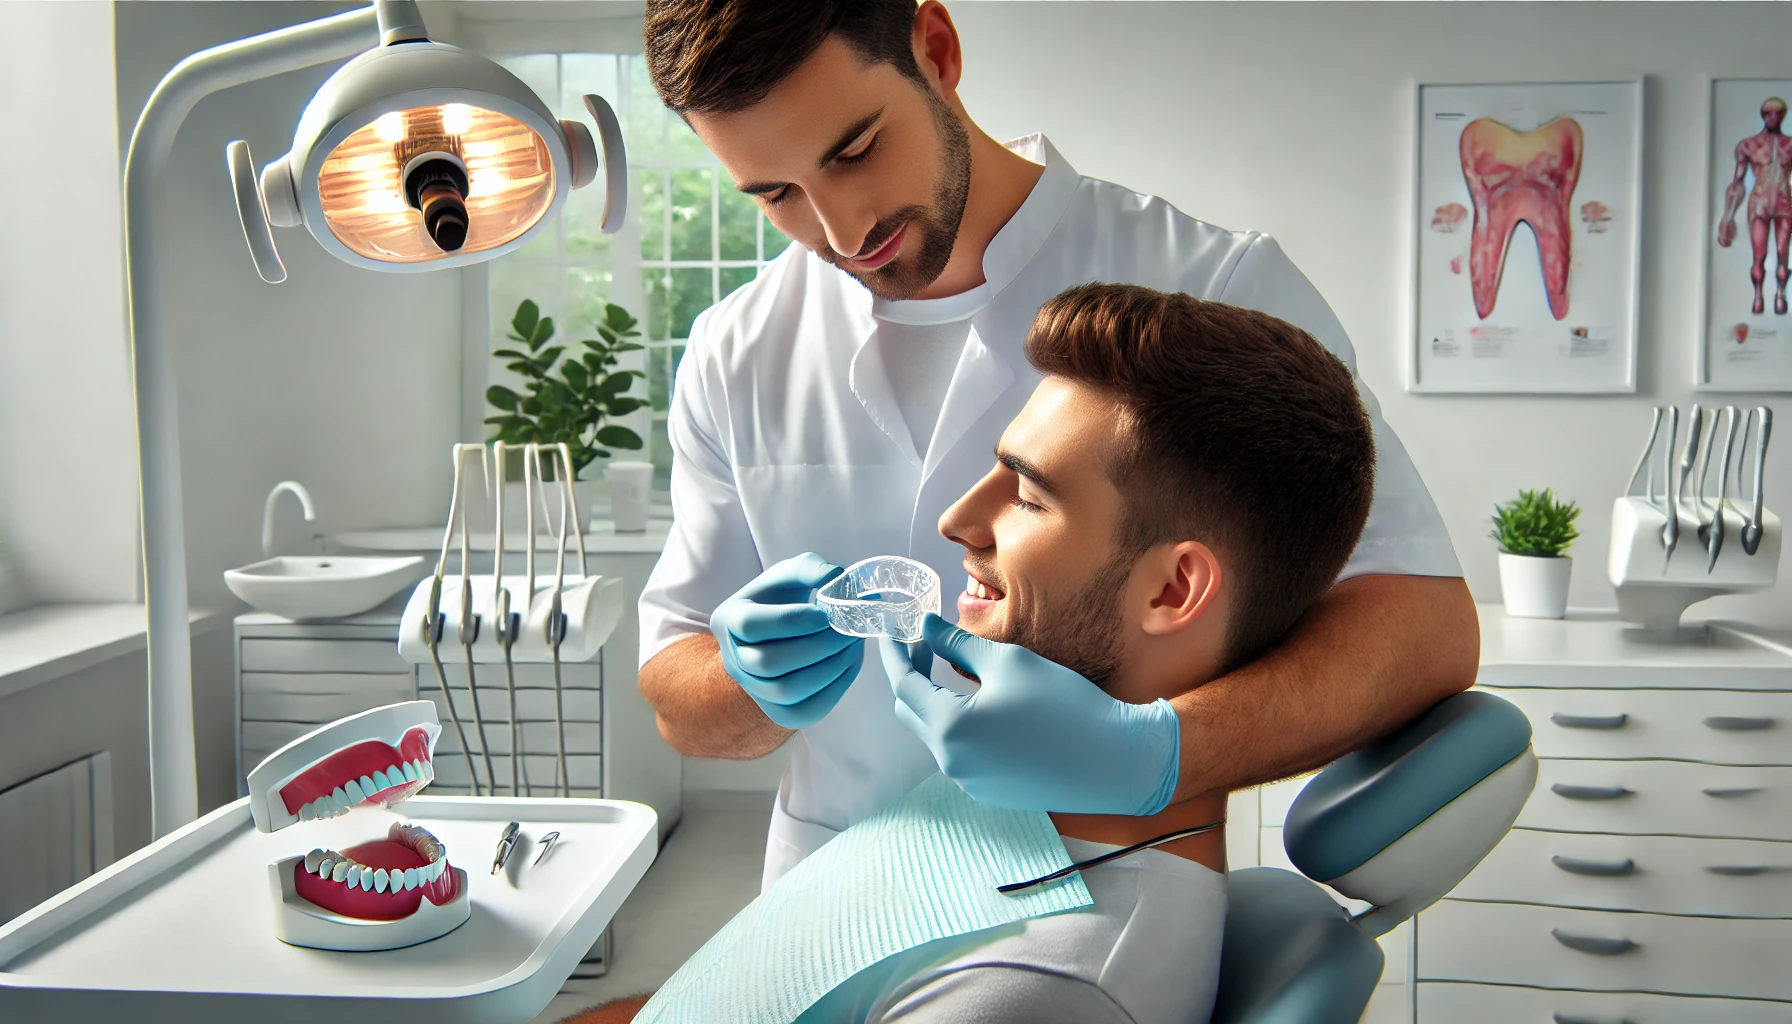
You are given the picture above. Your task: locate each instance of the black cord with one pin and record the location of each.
(1167, 837)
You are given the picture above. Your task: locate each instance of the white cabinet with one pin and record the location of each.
(58, 830)
(1649, 877)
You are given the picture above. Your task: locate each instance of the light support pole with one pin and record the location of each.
(174, 793)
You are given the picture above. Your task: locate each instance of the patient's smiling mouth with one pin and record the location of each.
(980, 595)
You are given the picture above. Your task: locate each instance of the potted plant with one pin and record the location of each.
(569, 393)
(1534, 532)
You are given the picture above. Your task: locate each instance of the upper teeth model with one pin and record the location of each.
(370, 771)
(1517, 176)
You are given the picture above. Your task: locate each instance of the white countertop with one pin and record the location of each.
(601, 538)
(1596, 636)
(42, 643)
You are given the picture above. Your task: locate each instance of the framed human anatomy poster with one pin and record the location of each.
(1746, 342)
(1525, 237)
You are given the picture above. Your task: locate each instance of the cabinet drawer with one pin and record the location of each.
(1659, 874)
(1551, 947)
(1719, 726)
(321, 708)
(1452, 1003)
(1661, 798)
(264, 655)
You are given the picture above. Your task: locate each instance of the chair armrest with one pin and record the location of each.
(1398, 823)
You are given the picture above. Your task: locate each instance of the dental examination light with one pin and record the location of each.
(415, 155)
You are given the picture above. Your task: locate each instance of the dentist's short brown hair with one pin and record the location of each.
(1242, 432)
(720, 56)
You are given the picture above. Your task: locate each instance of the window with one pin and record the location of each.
(690, 238)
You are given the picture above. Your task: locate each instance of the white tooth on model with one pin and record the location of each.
(366, 879)
(306, 813)
(380, 878)
(410, 879)
(381, 782)
(339, 799)
(410, 773)
(367, 785)
(352, 788)
(352, 878)
(339, 871)
(311, 860)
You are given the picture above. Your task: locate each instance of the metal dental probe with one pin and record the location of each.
(547, 843)
(469, 627)
(1713, 535)
(1670, 529)
(1167, 837)
(1752, 530)
(556, 614)
(437, 623)
(507, 620)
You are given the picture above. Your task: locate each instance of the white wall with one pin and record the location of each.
(68, 477)
(1295, 118)
(343, 379)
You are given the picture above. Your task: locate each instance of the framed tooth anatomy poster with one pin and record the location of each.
(1525, 239)
(1746, 342)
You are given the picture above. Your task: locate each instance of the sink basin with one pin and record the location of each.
(323, 586)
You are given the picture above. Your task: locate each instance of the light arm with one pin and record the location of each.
(1372, 655)
(174, 794)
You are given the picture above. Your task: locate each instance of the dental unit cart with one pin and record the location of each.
(206, 924)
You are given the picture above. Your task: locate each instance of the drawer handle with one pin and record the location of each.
(1725, 794)
(1739, 870)
(1736, 723)
(1563, 1018)
(1599, 868)
(1563, 789)
(1592, 944)
(1589, 721)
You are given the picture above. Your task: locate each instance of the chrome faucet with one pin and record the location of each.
(267, 512)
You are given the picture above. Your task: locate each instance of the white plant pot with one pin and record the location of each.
(1535, 587)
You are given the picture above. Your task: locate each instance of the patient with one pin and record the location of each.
(1182, 486)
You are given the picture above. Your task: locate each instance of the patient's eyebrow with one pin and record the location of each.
(1021, 467)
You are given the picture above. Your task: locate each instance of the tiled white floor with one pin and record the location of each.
(708, 870)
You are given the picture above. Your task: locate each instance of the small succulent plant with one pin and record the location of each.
(1535, 524)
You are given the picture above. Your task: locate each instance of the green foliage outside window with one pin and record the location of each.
(568, 399)
(1535, 524)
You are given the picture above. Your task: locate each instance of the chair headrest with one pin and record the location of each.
(1371, 797)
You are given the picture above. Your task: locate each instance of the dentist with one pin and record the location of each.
(845, 398)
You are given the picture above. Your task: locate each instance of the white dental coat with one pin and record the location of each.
(786, 438)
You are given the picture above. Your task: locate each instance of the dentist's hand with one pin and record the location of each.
(1035, 735)
(778, 646)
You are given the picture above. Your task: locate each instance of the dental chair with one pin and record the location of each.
(1396, 824)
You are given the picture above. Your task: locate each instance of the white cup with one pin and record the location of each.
(630, 486)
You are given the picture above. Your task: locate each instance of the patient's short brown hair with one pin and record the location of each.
(1242, 431)
(719, 56)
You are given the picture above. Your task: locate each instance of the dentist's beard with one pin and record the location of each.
(936, 227)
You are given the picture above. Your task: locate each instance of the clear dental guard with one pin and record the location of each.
(883, 596)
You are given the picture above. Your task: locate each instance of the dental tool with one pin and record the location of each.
(1167, 837)
(1670, 528)
(547, 843)
(435, 623)
(469, 626)
(1643, 464)
(508, 622)
(1752, 529)
(506, 846)
(1712, 533)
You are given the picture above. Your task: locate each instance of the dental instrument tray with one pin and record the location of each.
(183, 929)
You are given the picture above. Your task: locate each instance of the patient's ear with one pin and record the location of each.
(1185, 582)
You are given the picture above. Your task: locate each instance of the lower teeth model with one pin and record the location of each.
(383, 880)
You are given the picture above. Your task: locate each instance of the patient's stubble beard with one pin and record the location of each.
(1083, 633)
(938, 228)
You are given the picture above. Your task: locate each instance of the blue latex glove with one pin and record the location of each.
(779, 647)
(1035, 736)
